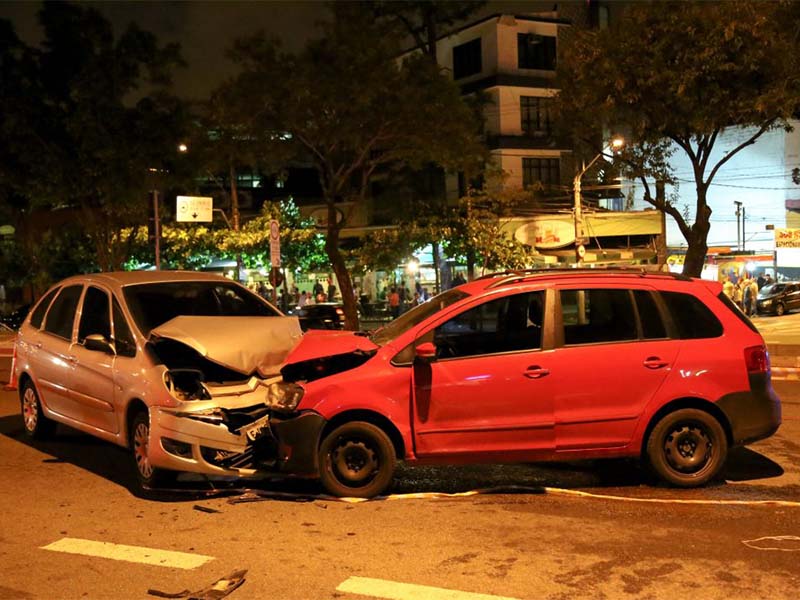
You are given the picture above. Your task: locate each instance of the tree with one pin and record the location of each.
(672, 77)
(82, 140)
(356, 112)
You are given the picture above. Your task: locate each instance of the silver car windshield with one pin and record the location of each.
(416, 315)
(152, 304)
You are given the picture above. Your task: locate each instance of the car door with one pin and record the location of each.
(613, 357)
(50, 358)
(486, 394)
(792, 296)
(92, 390)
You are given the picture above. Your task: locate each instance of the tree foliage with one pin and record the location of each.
(348, 105)
(672, 77)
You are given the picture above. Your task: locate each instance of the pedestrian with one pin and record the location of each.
(738, 293)
(318, 289)
(394, 302)
(768, 279)
(728, 287)
(753, 297)
(303, 299)
(331, 290)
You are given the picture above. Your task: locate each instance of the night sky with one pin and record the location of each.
(206, 29)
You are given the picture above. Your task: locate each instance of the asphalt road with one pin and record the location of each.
(74, 494)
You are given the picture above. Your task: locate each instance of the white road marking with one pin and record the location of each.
(393, 590)
(137, 554)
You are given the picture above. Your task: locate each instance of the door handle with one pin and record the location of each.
(38, 345)
(536, 372)
(73, 359)
(654, 362)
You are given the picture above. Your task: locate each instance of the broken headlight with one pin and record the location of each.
(283, 396)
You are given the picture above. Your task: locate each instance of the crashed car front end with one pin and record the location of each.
(242, 423)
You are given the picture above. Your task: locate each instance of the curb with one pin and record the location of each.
(785, 360)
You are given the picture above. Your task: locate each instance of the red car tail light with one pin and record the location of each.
(757, 359)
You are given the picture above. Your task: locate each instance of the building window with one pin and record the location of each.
(544, 170)
(467, 59)
(536, 51)
(535, 113)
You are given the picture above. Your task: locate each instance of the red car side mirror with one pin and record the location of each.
(426, 352)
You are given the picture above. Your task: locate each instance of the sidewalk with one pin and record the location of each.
(785, 359)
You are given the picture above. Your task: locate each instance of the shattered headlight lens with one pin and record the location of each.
(284, 396)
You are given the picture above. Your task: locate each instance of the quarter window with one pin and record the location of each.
(38, 314)
(124, 343)
(61, 315)
(507, 324)
(596, 315)
(692, 318)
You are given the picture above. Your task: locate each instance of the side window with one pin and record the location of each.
(652, 325)
(95, 318)
(38, 314)
(692, 318)
(123, 338)
(597, 315)
(506, 324)
(61, 315)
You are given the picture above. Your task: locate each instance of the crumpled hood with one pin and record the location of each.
(243, 344)
(322, 343)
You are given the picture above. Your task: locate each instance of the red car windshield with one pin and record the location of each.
(416, 315)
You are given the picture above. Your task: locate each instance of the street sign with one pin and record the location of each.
(194, 209)
(274, 243)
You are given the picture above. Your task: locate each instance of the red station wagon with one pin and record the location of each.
(539, 366)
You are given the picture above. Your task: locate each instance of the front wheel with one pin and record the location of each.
(780, 309)
(356, 460)
(37, 426)
(687, 448)
(149, 476)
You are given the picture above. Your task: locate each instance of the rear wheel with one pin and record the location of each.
(37, 426)
(687, 448)
(148, 475)
(356, 460)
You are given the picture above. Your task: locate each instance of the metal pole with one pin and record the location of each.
(744, 235)
(738, 225)
(157, 230)
(576, 184)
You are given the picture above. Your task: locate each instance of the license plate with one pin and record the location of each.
(256, 429)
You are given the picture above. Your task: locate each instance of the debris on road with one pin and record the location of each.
(205, 509)
(218, 589)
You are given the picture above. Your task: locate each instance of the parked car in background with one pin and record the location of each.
(778, 298)
(540, 366)
(323, 315)
(15, 318)
(181, 367)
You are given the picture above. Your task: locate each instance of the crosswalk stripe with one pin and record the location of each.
(393, 590)
(136, 554)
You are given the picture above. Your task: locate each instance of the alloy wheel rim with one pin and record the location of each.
(688, 448)
(140, 450)
(30, 409)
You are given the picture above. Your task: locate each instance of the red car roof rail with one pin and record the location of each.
(515, 276)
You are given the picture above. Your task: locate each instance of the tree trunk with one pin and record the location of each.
(697, 241)
(340, 269)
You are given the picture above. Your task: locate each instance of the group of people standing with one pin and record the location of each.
(744, 292)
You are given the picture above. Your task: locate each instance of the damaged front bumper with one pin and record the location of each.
(235, 434)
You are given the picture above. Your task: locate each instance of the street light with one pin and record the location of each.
(580, 234)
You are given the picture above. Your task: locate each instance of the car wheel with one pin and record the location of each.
(356, 460)
(687, 448)
(780, 309)
(37, 426)
(149, 476)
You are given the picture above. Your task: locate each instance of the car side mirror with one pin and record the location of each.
(426, 352)
(98, 343)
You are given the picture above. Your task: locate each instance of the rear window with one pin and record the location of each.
(38, 314)
(692, 318)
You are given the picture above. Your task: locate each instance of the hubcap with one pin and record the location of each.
(30, 409)
(140, 446)
(688, 448)
(354, 461)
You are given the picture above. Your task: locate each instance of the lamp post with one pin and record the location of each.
(580, 233)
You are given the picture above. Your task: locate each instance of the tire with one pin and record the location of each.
(780, 309)
(356, 460)
(149, 477)
(37, 426)
(687, 448)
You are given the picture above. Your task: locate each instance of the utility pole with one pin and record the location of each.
(738, 224)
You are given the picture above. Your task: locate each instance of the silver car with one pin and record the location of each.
(182, 367)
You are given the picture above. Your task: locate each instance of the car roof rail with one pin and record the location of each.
(515, 276)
